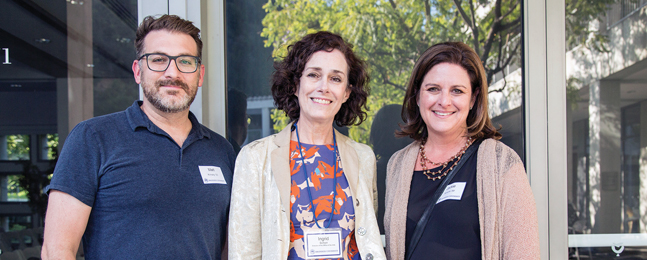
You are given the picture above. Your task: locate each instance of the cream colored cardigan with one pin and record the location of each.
(259, 217)
(506, 207)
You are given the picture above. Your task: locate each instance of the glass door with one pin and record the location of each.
(606, 72)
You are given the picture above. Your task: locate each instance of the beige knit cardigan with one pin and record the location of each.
(506, 206)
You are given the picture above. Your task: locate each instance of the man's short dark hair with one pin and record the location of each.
(171, 23)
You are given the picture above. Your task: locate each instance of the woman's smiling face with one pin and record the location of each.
(323, 87)
(445, 100)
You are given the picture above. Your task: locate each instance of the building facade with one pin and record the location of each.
(571, 102)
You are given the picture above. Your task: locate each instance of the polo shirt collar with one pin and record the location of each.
(137, 118)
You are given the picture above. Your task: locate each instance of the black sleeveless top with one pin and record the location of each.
(453, 231)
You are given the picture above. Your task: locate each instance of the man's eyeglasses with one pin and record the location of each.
(160, 62)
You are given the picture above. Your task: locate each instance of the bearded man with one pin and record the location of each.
(149, 182)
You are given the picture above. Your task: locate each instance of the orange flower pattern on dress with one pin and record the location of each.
(320, 163)
(352, 247)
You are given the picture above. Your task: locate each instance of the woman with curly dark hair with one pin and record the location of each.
(309, 192)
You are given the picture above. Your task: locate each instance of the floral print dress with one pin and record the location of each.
(319, 166)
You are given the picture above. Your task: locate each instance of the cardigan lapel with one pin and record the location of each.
(281, 164)
(405, 167)
(281, 167)
(349, 161)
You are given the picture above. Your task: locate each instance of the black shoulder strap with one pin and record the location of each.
(422, 223)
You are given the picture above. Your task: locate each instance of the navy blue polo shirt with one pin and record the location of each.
(149, 199)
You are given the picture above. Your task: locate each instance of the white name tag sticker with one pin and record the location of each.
(212, 175)
(323, 244)
(453, 191)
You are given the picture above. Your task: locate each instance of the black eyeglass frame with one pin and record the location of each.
(171, 58)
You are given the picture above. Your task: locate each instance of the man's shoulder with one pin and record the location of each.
(105, 122)
(216, 140)
(216, 137)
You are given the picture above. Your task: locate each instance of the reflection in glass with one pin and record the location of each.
(237, 119)
(14, 191)
(14, 147)
(15, 223)
(606, 70)
(113, 38)
(48, 146)
(389, 35)
(68, 62)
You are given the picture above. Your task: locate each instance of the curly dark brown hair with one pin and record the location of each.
(285, 79)
(171, 23)
(479, 125)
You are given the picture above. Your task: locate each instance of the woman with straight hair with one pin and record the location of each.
(309, 192)
(455, 192)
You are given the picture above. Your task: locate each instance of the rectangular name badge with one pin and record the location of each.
(453, 191)
(212, 175)
(324, 243)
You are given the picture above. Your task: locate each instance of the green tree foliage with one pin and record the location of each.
(33, 179)
(391, 35)
(17, 147)
(580, 16)
(32, 182)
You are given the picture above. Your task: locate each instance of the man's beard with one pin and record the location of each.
(154, 96)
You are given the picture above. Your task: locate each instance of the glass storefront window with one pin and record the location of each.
(14, 191)
(606, 71)
(48, 144)
(62, 62)
(15, 223)
(389, 36)
(14, 147)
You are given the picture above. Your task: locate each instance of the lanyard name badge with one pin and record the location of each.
(325, 242)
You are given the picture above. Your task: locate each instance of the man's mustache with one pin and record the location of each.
(173, 82)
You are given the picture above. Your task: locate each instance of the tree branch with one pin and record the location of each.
(498, 60)
(497, 8)
(386, 81)
(463, 14)
(506, 63)
(510, 56)
(393, 5)
(471, 23)
(505, 83)
(511, 9)
(509, 25)
(499, 89)
(497, 28)
(400, 20)
(475, 30)
(427, 15)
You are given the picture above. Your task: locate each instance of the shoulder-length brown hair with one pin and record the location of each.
(288, 73)
(479, 125)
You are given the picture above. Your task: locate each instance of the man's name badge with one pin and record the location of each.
(212, 175)
(325, 243)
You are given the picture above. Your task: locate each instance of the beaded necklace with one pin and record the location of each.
(447, 165)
